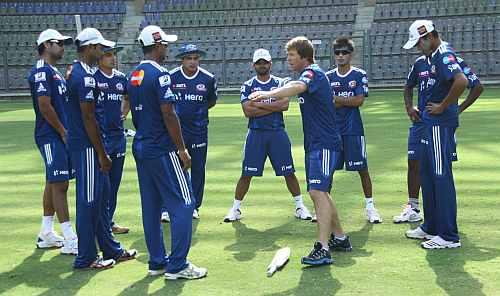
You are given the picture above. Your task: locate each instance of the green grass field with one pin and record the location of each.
(383, 262)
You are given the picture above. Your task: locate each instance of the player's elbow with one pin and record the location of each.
(479, 88)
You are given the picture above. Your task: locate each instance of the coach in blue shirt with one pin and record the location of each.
(196, 92)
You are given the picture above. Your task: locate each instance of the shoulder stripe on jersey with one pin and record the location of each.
(177, 69)
(116, 72)
(359, 70)
(206, 72)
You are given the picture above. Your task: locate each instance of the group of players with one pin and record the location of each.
(79, 131)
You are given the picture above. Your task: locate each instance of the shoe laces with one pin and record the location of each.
(317, 251)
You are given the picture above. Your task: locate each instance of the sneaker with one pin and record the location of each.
(303, 213)
(318, 256)
(233, 215)
(336, 244)
(408, 214)
(49, 241)
(196, 214)
(373, 216)
(156, 272)
(117, 229)
(438, 243)
(127, 255)
(314, 219)
(191, 272)
(102, 264)
(70, 247)
(164, 217)
(418, 233)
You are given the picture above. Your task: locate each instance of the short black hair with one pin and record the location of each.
(41, 49)
(435, 33)
(343, 42)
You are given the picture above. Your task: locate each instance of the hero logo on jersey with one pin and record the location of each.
(119, 86)
(423, 74)
(255, 89)
(201, 87)
(89, 81)
(352, 84)
(40, 76)
(164, 80)
(136, 78)
(449, 59)
(41, 88)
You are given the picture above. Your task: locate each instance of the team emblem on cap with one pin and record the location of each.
(136, 78)
(422, 30)
(156, 36)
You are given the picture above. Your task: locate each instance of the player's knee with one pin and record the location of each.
(60, 187)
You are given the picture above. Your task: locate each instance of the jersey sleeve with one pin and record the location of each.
(212, 90)
(412, 78)
(124, 82)
(42, 79)
(87, 88)
(359, 88)
(364, 83)
(308, 76)
(165, 94)
(448, 66)
(245, 92)
(471, 76)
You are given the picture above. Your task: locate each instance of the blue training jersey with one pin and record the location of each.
(318, 111)
(350, 84)
(111, 88)
(273, 121)
(82, 88)
(46, 80)
(148, 88)
(193, 95)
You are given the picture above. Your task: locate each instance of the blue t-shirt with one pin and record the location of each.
(318, 111)
(353, 83)
(443, 68)
(82, 88)
(193, 95)
(273, 121)
(46, 80)
(148, 88)
(111, 88)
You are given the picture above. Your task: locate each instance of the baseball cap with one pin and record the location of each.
(261, 53)
(418, 29)
(112, 48)
(51, 34)
(154, 34)
(90, 36)
(190, 49)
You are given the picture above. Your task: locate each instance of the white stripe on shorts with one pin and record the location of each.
(180, 178)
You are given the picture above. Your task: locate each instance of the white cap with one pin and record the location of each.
(261, 53)
(154, 34)
(418, 29)
(51, 34)
(92, 36)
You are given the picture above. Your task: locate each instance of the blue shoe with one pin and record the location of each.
(318, 256)
(336, 244)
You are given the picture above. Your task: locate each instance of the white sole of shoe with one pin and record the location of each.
(156, 272)
(174, 276)
(69, 252)
(448, 246)
(44, 245)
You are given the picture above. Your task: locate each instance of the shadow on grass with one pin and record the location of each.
(141, 287)
(314, 281)
(358, 240)
(53, 269)
(449, 267)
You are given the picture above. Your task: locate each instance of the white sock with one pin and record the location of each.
(47, 224)
(343, 237)
(236, 204)
(67, 231)
(369, 203)
(299, 203)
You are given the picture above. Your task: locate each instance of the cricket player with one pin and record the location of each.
(49, 93)
(89, 157)
(111, 108)
(419, 77)
(162, 160)
(266, 137)
(349, 88)
(322, 144)
(196, 92)
(444, 86)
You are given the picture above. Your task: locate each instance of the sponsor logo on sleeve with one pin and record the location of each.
(364, 80)
(449, 59)
(466, 70)
(136, 78)
(164, 80)
(89, 81)
(40, 76)
(41, 88)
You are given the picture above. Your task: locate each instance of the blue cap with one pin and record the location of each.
(189, 49)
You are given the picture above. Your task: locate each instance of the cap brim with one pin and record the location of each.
(410, 44)
(183, 54)
(170, 38)
(107, 43)
(114, 49)
(267, 60)
(66, 39)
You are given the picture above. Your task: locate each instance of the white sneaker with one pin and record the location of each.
(233, 215)
(438, 243)
(373, 216)
(408, 215)
(49, 240)
(70, 247)
(191, 272)
(418, 233)
(303, 213)
(196, 215)
(164, 217)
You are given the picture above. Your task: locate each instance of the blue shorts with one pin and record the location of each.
(115, 146)
(353, 154)
(320, 166)
(416, 134)
(57, 160)
(260, 144)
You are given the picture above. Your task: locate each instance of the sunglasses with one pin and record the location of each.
(58, 42)
(343, 52)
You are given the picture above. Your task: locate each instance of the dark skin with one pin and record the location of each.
(190, 64)
(55, 194)
(259, 108)
(170, 119)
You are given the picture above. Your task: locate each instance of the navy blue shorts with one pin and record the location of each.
(320, 166)
(353, 154)
(115, 146)
(259, 145)
(416, 134)
(57, 160)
